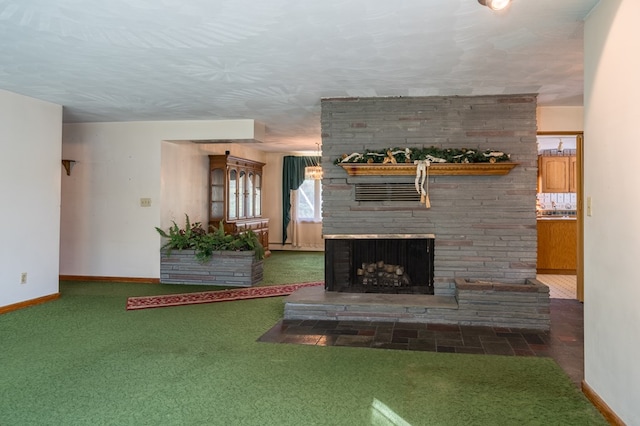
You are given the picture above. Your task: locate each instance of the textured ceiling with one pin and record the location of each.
(273, 60)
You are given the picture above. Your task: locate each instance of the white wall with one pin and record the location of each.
(105, 232)
(30, 140)
(612, 233)
(560, 119)
(272, 205)
(183, 183)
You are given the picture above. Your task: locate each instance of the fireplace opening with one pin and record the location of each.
(379, 264)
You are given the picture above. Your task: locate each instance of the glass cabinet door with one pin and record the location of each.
(217, 194)
(249, 195)
(241, 190)
(257, 190)
(232, 208)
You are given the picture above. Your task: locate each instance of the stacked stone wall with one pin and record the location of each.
(225, 268)
(484, 226)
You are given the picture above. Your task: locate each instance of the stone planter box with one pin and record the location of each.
(504, 305)
(225, 268)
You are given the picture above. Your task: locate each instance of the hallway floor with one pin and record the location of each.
(560, 286)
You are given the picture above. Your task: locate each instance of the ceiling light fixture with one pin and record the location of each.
(495, 4)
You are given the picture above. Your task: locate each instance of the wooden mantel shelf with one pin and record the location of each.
(436, 169)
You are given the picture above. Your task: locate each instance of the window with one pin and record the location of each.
(309, 200)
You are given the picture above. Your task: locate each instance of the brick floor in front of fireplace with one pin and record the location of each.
(564, 342)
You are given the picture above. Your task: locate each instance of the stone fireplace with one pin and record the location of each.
(482, 245)
(485, 226)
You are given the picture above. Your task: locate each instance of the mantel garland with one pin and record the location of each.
(432, 154)
(423, 158)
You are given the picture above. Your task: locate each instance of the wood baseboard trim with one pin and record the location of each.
(557, 271)
(602, 406)
(109, 279)
(28, 303)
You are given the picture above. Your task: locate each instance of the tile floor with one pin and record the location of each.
(564, 342)
(560, 286)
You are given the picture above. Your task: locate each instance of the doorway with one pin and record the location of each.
(560, 213)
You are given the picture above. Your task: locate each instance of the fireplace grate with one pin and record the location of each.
(386, 192)
(379, 265)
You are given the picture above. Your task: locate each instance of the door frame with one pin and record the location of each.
(579, 211)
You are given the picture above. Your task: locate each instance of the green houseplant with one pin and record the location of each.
(194, 236)
(193, 255)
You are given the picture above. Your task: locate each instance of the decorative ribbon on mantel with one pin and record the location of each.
(422, 175)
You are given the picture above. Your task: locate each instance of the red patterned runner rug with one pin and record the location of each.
(162, 301)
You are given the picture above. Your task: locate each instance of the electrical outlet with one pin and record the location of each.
(145, 202)
(589, 208)
(23, 278)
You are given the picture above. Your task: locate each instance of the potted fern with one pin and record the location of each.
(193, 255)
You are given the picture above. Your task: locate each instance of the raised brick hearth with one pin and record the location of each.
(522, 306)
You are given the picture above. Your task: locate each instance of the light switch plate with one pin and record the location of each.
(145, 202)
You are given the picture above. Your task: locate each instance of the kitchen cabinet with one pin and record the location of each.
(235, 196)
(557, 246)
(556, 173)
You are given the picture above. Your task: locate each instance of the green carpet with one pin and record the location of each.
(84, 360)
(287, 267)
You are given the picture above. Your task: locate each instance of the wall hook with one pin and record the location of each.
(68, 165)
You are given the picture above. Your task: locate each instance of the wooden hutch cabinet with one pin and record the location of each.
(236, 196)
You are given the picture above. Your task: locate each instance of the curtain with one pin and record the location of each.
(292, 178)
(307, 235)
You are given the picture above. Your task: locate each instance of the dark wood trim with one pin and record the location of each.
(580, 217)
(563, 133)
(27, 303)
(556, 271)
(602, 406)
(110, 279)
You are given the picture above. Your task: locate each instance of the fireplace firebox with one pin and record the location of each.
(395, 263)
